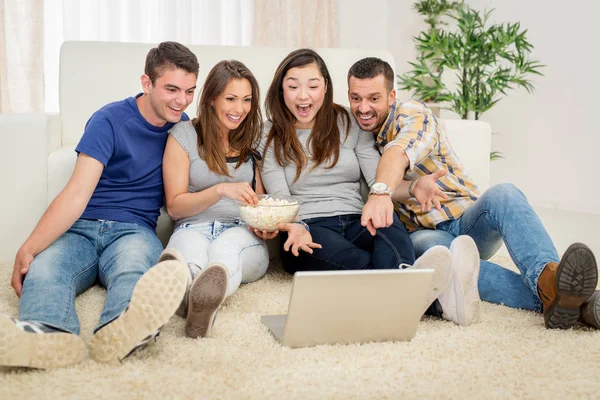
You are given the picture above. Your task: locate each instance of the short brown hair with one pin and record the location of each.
(371, 67)
(170, 55)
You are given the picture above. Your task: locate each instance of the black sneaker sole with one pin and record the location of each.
(596, 314)
(576, 280)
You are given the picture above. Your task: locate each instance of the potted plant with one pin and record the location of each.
(426, 77)
(487, 59)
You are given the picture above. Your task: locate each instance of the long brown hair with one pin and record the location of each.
(245, 138)
(324, 139)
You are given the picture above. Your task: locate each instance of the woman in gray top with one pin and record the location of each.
(209, 164)
(314, 151)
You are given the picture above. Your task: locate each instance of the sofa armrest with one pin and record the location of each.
(25, 140)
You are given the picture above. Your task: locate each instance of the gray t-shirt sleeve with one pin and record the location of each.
(272, 174)
(368, 156)
(181, 132)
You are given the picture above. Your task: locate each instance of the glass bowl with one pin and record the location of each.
(270, 211)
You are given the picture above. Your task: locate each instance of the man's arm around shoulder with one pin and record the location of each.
(64, 210)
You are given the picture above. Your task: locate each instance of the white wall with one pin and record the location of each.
(550, 139)
(363, 25)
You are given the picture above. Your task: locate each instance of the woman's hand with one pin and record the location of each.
(241, 191)
(298, 238)
(428, 193)
(264, 234)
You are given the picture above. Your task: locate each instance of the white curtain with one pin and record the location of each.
(21, 56)
(226, 22)
(294, 23)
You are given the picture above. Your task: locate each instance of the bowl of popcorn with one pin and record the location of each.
(270, 211)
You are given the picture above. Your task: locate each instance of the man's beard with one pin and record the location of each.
(378, 124)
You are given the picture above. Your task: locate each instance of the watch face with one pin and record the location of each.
(379, 187)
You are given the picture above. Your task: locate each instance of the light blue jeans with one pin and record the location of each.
(501, 214)
(116, 254)
(230, 243)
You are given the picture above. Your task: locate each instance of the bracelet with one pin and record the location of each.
(304, 224)
(410, 188)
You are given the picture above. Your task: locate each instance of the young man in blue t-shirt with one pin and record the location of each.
(101, 227)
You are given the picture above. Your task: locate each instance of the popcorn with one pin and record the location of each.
(269, 212)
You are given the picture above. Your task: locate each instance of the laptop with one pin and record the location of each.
(330, 307)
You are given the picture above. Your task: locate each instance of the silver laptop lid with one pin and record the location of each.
(355, 306)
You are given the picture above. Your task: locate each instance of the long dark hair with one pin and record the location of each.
(324, 139)
(245, 138)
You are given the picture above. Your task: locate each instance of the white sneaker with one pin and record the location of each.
(23, 344)
(439, 259)
(171, 253)
(461, 303)
(155, 298)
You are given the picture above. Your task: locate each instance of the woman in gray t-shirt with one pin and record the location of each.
(314, 150)
(209, 164)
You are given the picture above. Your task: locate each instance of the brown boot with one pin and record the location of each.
(564, 287)
(590, 310)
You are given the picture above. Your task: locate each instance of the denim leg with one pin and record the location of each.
(245, 256)
(390, 246)
(502, 286)
(337, 253)
(425, 239)
(129, 250)
(193, 244)
(503, 210)
(496, 283)
(56, 276)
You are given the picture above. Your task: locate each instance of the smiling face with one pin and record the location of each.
(303, 92)
(166, 99)
(233, 105)
(370, 101)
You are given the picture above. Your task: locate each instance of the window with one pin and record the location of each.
(227, 22)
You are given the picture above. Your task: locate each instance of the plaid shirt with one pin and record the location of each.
(411, 126)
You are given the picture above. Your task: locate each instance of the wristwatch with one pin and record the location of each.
(380, 188)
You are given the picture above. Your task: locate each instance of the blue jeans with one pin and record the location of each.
(501, 214)
(230, 243)
(349, 245)
(116, 254)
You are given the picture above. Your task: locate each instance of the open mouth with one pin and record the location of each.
(176, 109)
(366, 118)
(233, 118)
(304, 109)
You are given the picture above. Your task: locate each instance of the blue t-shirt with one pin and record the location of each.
(131, 185)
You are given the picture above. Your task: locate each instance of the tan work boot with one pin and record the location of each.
(590, 310)
(564, 287)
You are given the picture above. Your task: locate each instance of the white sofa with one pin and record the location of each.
(37, 150)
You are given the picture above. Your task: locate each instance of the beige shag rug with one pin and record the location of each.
(509, 354)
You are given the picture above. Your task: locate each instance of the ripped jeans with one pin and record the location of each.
(230, 243)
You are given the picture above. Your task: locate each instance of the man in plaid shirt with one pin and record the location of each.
(413, 145)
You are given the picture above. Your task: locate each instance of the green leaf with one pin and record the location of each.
(496, 155)
(488, 59)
